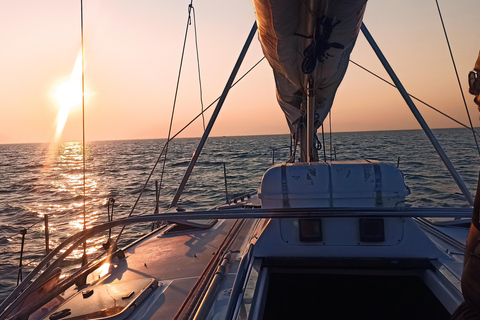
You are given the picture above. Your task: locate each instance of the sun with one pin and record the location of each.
(69, 95)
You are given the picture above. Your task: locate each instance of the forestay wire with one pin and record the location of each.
(458, 79)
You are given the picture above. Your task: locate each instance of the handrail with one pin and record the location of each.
(282, 213)
(69, 281)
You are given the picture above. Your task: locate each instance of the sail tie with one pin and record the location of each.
(317, 143)
(317, 50)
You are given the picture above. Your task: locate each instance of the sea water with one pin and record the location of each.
(47, 179)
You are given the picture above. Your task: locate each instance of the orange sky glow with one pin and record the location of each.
(132, 55)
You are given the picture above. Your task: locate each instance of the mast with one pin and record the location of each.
(310, 119)
(309, 84)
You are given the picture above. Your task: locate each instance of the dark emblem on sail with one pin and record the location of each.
(317, 50)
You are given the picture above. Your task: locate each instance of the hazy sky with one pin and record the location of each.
(132, 51)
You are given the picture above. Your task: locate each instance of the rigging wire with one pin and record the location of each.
(174, 136)
(415, 98)
(84, 259)
(458, 78)
(33, 225)
(198, 65)
(175, 96)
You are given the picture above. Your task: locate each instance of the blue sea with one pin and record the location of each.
(47, 179)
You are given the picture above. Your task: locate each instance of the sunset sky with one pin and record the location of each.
(132, 56)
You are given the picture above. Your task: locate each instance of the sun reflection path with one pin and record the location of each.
(62, 184)
(69, 95)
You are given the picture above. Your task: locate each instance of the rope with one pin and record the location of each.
(324, 148)
(330, 128)
(110, 206)
(198, 64)
(295, 143)
(458, 78)
(415, 98)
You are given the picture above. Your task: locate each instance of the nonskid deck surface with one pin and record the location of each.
(172, 256)
(175, 260)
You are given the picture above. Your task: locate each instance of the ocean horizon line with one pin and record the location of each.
(222, 136)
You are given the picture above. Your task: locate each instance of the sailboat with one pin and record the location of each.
(320, 239)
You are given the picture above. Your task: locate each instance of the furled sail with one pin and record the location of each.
(306, 41)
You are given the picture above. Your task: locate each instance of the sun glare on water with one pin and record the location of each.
(69, 95)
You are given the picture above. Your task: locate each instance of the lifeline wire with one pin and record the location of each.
(14, 233)
(33, 225)
(458, 79)
(413, 97)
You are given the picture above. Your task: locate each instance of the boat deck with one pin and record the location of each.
(176, 260)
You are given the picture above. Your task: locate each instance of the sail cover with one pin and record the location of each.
(303, 39)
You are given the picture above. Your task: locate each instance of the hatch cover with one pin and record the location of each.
(106, 301)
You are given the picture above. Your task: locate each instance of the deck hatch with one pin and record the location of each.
(107, 301)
